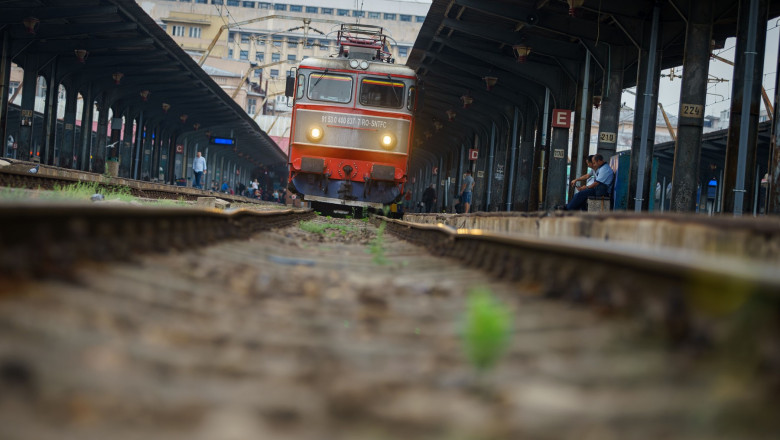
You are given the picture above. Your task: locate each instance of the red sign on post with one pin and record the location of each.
(180, 148)
(561, 118)
(473, 154)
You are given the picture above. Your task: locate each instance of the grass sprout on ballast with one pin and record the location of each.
(320, 228)
(377, 246)
(487, 328)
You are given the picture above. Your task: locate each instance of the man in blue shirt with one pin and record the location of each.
(601, 186)
(198, 168)
(466, 190)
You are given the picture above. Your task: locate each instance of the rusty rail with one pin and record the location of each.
(49, 240)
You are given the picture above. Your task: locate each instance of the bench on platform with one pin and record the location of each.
(599, 204)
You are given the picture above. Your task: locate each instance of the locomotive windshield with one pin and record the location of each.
(381, 92)
(324, 86)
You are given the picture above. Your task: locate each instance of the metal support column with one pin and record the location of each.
(556, 168)
(171, 174)
(5, 82)
(50, 116)
(99, 154)
(609, 118)
(140, 128)
(490, 165)
(85, 148)
(25, 141)
(510, 182)
(773, 182)
(126, 152)
(584, 114)
(440, 190)
(693, 97)
(745, 107)
(525, 161)
(644, 123)
(67, 153)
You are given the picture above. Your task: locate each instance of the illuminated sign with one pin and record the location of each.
(223, 141)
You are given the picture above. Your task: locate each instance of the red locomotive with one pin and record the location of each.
(351, 122)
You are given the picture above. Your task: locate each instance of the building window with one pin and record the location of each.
(296, 8)
(324, 45)
(232, 2)
(419, 18)
(274, 73)
(280, 7)
(403, 51)
(277, 41)
(406, 17)
(276, 57)
(311, 9)
(194, 32)
(374, 15)
(216, 2)
(326, 11)
(260, 39)
(292, 42)
(12, 88)
(177, 31)
(291, 58)
(251, 105)
(203, 2)
(232, 36)
(230, 53)
(248, 4)
(389, 16)
(264, 5)
(342, 12)
(245, 38)
(258, 72)
(358, 13)
(309, 43)
(244, 55)
(259, 56)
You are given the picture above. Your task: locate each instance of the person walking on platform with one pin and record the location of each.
(601, 186)
(429, 197)
(465, 191)
(199, 169)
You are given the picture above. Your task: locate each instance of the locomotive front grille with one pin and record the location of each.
(382, 172)
(312, 165)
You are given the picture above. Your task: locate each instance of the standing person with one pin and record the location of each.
(601, 186)
(429, 197)
(199, 168)
(465, 191)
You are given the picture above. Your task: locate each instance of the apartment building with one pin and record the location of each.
(263, 40)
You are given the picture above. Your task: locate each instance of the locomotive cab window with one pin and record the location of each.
(330, 87)
(301, 85)
(382, 92)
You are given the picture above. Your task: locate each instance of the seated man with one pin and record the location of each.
(601, 186)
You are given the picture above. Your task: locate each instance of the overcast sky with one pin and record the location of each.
(719, 93)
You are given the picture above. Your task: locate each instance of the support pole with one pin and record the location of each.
(25, 141)
(773, 181)
(69, 128)
(693, 97)
(609, 119)
(50, 116)
(491, 159)
(140, 127)
(99, 159)
(525, 161)
(5, 82)
(85, 148)
(171, 178)
(584, 120)
(745, 106)
(644, 132)
(510, 182)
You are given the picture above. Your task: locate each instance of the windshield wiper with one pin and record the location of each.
(395, 92)
(321, 76)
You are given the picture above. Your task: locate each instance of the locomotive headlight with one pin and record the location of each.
(315, 133)
(354, 64)
(387, 141)
(364, 64)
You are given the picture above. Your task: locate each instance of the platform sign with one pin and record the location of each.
(435, 171)
(692, 111)
(607, 137)
(480, 174)
(561, 118)
(180, 149)
(473, 154)
(558, 153)
(222, 141)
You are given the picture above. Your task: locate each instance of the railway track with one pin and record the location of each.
(348, 333)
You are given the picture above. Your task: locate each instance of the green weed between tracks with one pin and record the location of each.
(487, 328)
(377, 246)
(320, 228)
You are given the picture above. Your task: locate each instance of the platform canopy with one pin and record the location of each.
(122, 52)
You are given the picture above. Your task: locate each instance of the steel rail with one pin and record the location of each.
(50, 240)
(681, 294)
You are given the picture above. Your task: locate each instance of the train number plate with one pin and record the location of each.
(558, 153)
